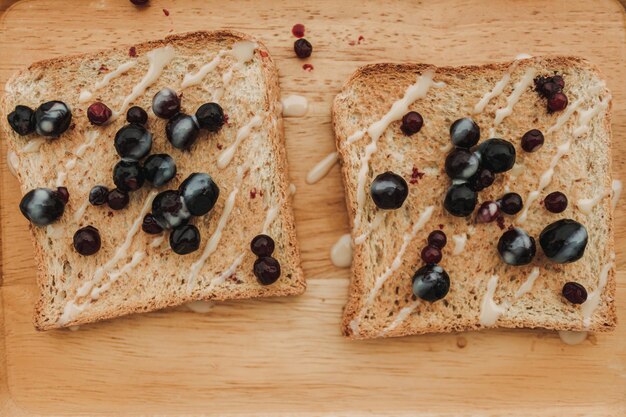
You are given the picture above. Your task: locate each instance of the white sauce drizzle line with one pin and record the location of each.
(379, 218)
(586, 205)
(519, 89)
(158, 60)
(459, 243)
(244, 131)
(72, 309)
(496, 91)
(490, 312)
(585, 116)
(113, 276)
(563, 118)
(322, 168)
(376, 129)
(218, 280)
(13, 162)
(593, 301)
(86, 95)
(358, 135)
(402, 315)
(341, 252)
(157, 241)
(397, 262)
(33, 145)
(616, 185)
(80, 212)
(90, 141)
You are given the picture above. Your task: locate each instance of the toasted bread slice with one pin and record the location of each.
(484, 291)
(134, 271)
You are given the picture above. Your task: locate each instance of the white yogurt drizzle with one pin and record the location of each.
(80, 212)
(571, 337)
(397, 263)
(593, 300)
(375, 130)
(33, 145)
(512, 100)
(158, 59)
(219, 280)
(55, 231)
(138, 256)
(242, 51)
(322, 168)
(402, 315)
(497, 90)
(90, 141)
(13, 162)
(294, 106)
(586, 205)
(200, 306)
(459, 243)
(379, 218)
(86, 95)
(157, 241)
(358, 135)
(563, 118)
(244, 131)
(72, 309)
(341, 252)
(490, 312)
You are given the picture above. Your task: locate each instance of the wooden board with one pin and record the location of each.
(286, 356)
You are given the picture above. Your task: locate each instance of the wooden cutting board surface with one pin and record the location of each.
(286, 356)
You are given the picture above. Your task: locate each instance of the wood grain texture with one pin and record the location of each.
(286, 356)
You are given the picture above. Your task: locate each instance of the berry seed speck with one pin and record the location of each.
(298, 30)
(132, 52)
(166, 12)
(307, 67)
(416, 175)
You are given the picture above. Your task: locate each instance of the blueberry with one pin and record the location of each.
(266, 270)
(52, 118)
(511, 203)
(482, 179)
(302, 48)
(438, 239)
(431, 255)
(169, 210)
(128, 175)
(516, 247)
(22, 120)
(166, 103)
(137, 115)
(497, 155)
(63, 194)
(464, 133)
(42, 206)
(557, 102)
(133, 142)
(185, 239)
(460, 200)
(574, 292)
(555, 202)
(199, 193)
(262, 245)
(210, 116)
(98, 195)
(389, 190)
(431, 283)
(487, 212)
(150, 225)
(461, 164)
(182, 131)
(87, 240)
(564, 241)
(98, 113)
(117, 199)
(159, 169)
(412, 123)
(532, 140)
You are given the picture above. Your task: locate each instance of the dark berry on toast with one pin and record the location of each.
(133, 141)
(182, 131)
(497, 155)
(460, 200)
(557, 102)
(438, 239)
(511, 203)
(482, 179)
(199, 193)
(532, 140)
(42, 206)
(516, 247)
(87, 240)
(128, 175)
(210, 116)
(98, 113)
(555, 202)
(487, 212)
(98, 195)
(431, 283)
(117, 199)
(52, 118)
(564, 241)
(574, 292)
(266, 270)
(169, 210)
(412, 123)
(159, 169)
(302, 48)
(262, 245)
(150, 225)
(136, 115)
(461, 164)
(389, 190)
(431, 255)
(166, 103)
(22, 120)
(185, 239)
(464, 133)
(64, 194)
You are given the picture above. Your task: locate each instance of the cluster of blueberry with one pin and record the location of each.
(431, 282)
(50, 119)
(266, 268)
(551, 88)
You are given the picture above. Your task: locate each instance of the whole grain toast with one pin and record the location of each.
(133, 271)
(387, 244)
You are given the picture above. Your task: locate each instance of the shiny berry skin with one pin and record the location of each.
(210, 116)
(431, 255)
(482, 179)
(438, 239)
(98, 113)
(532, 140)
(87, 240)
(98, 195)
(302, 48)
(199, 193)
(117, 199)
(128, 175)
(22, 120)
(431, 283)
(464, 133)
(461, 164)
(497, 155)
(266, 270)
(185, 239)
(558, 80)
(63, 194)
(564, 241)
(574, 292)
(389, 190)
(548, 86)
(516, 247)
(166, 103)
(52, 118)
(557, 102)
(182, 131)
(487, 212)
(460, 200)
(169, 211)
(42, 206)
(555, 202)
(159, 169)
(511, 203)
(262, 245)
(150, 225)
(412, 122)
(137, 115)
(133, 142)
